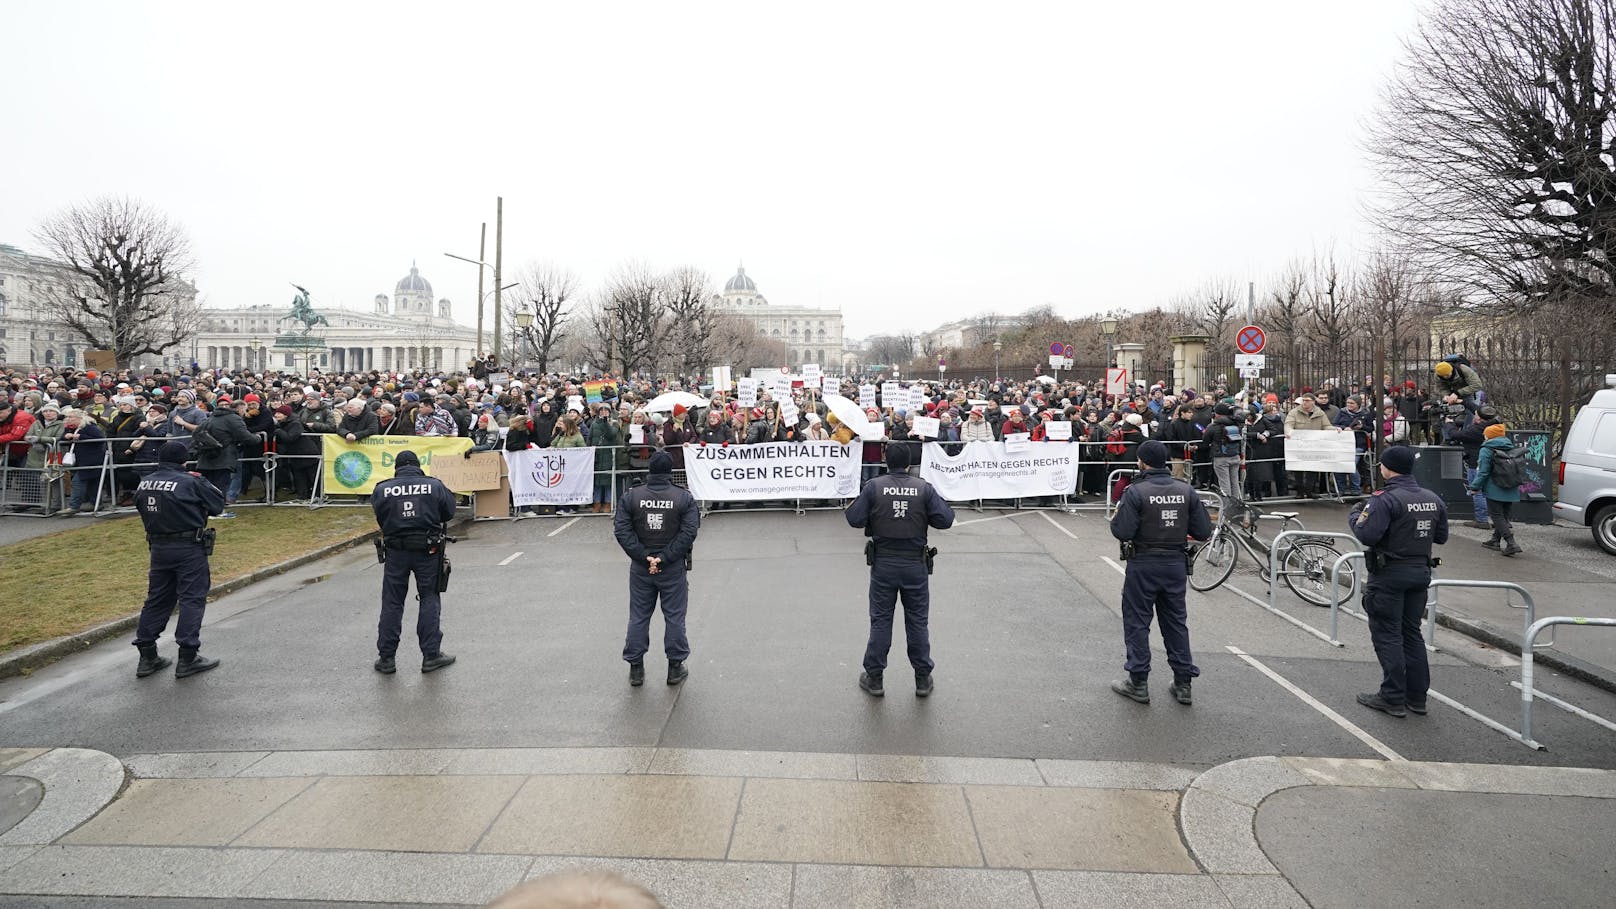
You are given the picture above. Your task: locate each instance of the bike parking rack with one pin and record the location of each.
(1273, 578)
(1528, 643)
(1432, 605)
(1335, 595)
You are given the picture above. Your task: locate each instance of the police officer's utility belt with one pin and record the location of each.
(414, 542)
(189, 536)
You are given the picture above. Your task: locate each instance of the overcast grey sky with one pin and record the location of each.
(909, 163)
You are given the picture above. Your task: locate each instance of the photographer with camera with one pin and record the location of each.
(1455, 376)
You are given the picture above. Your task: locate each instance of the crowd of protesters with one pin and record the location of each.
(1228, 437)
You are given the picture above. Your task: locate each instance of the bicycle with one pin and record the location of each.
(1304, 564)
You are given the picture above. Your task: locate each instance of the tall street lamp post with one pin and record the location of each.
(1108, 327)
(997, 346)
(524, 324)
(481, 297)
(255, 344)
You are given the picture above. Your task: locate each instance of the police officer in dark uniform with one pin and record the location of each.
(1399, 524)
(414, 511)
(1156, 516)
(175, 506)
(895, 511)
(656, 525)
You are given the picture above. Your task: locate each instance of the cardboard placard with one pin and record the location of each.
(479, 472)
(830, 385)
(866, 397)
(782, 388)
(746, 393)
(811, 373)
(101, 360)
(1058, 430)
(1017, 441)
(890, 392)
(917, 399)
(927, 427)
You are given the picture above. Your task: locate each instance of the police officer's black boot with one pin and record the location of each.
(192, 663)
(1180, 691)
(677, 672)
(1133, 689)
(871, 683)
(150, 662)
(636, 673)
(436, 661)
(922, 683)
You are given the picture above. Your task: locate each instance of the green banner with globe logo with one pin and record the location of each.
(354, 468)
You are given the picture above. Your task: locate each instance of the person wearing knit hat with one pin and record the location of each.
(174, 506)
(1398, 525)
(656, 526)
(1500, 470)
(1154, 517)
(895, 512)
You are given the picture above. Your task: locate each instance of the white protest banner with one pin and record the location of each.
(551, 476)
(890, 393)
(721, 378)
(830, 385)
(782, 388)
(811, 373)
(927, 427)
(1058, 430)
(789, 413)
(636, 434)
(1017, 441)
(1320, 451)
(866, 397)
(499, 378)
(746, 392)
(772, 470)
(985, 470)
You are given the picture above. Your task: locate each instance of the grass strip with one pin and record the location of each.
(65, 582)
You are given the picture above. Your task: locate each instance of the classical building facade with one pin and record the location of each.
(409, 331)
(29, 334)
(811, 335)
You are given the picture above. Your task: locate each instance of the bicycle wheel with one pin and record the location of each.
(1214, 562)
(1306, 569)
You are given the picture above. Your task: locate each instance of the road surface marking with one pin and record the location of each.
(564, 526)
(1569, 708)
(510, 558)
(1120, 570)
(997, 517)
(1316, 704)
(1057, 525)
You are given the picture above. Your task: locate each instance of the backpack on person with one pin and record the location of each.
(1508, 467)
(1116, 443)
(1229, 445)
(203, 439)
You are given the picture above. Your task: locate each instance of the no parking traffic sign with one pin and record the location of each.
(1251, 340)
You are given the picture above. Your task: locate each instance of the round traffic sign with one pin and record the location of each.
(1251, 340)
(1055, 349)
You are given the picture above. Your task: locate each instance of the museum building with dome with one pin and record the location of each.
(811, 335)
(409, 330)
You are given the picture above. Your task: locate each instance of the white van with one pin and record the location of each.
(1588, 468)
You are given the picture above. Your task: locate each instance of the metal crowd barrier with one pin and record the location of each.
(1273, 577)
(1528, 646)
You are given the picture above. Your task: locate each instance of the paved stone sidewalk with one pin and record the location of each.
(701, 828)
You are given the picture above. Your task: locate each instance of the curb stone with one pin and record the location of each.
(1598, 676)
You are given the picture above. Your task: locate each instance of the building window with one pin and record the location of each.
(288, 361)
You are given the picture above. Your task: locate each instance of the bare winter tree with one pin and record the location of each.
(1211, 308)
(692, 320)
(892, 350)
(627, 320)
(1329, 302)
(737, 342)
(126, 287)
(1496, 144)
(1390, 301)
(1286, 311)
(547, 293)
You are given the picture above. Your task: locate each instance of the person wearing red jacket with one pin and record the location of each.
(14, 425)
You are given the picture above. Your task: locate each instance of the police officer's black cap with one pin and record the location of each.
(1398, 459)
(172, 453)
(406, 458)
(1153, 453)
(661, 462)
(898, 456)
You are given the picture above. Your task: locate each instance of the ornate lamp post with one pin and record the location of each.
(524, 323)
(256, 345)
(1108, 327)
(998, 345)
